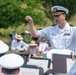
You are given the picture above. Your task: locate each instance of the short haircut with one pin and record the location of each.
(10, 71)
(2, 54)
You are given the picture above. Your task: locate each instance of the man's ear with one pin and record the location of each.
(17, 71)
(64, 15)
(2, 70)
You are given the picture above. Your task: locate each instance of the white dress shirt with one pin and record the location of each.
(21, 46)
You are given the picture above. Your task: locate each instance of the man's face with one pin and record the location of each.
(18, 40)
(32, 46)
(60, 18)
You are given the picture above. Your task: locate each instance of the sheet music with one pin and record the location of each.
(39, 63)
(29, 71)
(69, 63)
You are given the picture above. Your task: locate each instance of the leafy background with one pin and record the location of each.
(13, 12)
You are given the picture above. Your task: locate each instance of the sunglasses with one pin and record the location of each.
(57, 14)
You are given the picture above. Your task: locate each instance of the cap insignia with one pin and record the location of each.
(55, 10)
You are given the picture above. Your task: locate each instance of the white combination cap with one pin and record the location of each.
(55, 9)
(11, 61)
(3, 47)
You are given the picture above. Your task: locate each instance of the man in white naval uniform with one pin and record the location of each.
(61, 35)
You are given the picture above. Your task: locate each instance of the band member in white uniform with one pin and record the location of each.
(11, 64)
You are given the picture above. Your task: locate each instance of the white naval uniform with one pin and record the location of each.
(60, 38)
(21, 46)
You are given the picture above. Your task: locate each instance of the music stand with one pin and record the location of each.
(62, 63)
(31, 70)
(40, 62)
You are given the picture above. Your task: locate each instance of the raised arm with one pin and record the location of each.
(33, 30)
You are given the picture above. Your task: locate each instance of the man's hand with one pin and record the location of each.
(16, 51)
(29, 19)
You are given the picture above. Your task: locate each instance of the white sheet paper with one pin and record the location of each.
(29, 71)
(69, 63)
(39, 63)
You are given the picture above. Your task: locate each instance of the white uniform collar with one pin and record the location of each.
(66, 28)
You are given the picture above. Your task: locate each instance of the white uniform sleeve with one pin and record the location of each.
(24, 46)
(45, 32)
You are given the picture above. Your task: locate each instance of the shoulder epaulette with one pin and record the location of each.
(54, 24)
(71, 25)
(34, 38)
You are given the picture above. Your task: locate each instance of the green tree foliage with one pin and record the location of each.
(69, 4)
(12, 14)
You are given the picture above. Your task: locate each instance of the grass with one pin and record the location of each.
(5, 32)
(73, 20)
(18, 30)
